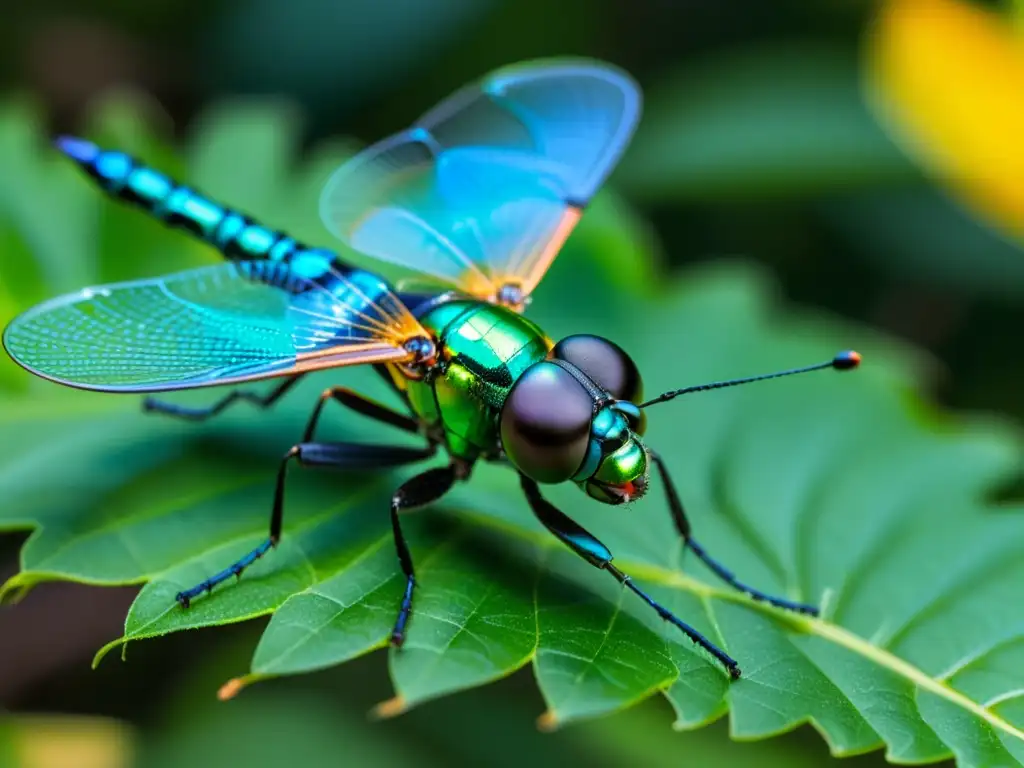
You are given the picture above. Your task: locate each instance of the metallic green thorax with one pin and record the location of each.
(483, 350)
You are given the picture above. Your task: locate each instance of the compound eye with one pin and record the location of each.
(605, 363)
(545, 423)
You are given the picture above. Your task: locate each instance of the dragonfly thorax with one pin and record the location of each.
(481, 351)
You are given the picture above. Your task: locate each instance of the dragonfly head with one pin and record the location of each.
(615, 468)
(574, 416)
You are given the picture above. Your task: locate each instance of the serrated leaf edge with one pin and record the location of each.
(814, 626)
(798, 623)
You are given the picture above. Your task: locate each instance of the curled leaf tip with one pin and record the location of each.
(390, 708)
(231, 688)
(547, 722)
(13, 590)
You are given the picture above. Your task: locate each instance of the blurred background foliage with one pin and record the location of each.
(867, 153)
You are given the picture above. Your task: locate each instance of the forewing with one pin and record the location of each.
(486, 187)
(213, 325)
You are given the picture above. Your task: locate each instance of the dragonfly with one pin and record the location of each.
(471, 205)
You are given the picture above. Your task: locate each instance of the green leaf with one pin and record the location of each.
(843, 490)
(459, 730)
(770, 122)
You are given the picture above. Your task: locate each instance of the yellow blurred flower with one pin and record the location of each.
(947, 76)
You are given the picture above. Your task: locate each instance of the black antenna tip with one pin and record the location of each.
(846, 360)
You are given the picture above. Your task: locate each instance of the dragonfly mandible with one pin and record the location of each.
(474, 201)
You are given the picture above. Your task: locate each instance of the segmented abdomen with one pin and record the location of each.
(234, 234)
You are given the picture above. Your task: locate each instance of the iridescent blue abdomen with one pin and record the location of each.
(232, 233)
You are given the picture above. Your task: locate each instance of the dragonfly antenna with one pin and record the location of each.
(844, 361)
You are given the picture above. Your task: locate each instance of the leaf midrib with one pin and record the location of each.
(813, 626)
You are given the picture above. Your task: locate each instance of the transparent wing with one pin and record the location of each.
(213, 325)
(484, 189)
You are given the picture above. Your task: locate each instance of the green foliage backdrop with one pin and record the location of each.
(847, 491)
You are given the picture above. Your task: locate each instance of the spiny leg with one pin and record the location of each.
(332, 455)
(587, 546)
(362, 405)
(153, 405)
(683, 526)
(415, 492)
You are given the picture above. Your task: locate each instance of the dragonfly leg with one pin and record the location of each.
(362, 405)
(416, 492)
(587, 546)
(154, 405)
(331, 455)
(683, 526)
